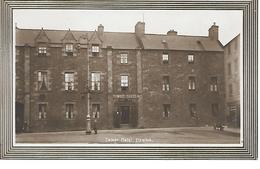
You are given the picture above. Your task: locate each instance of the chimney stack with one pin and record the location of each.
(100, 30)
(140, 29)
(213, 32)
(172, 32)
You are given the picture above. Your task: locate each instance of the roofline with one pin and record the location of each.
(108, 32)
(232, 40)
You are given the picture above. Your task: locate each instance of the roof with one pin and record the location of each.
(124, 40)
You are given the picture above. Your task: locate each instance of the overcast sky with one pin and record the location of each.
(185, 22)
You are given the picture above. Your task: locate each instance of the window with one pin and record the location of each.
(69, 81)
(213, 84)
(69, 111)
(95, 110)
(42, 51)
(166, 83)
(190, 58)
(69, 47)
(229, 69)
(193, 111)
(124, 82)
(230, 88)
(95, 50)
(166, 110)
(165, 58)
(123, 58)
(95, 81)
(192, 85)
(42, 114)
(214, 109)
(42, 80)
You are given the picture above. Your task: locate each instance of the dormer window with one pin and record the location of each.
(165, 58)
(69, 49)
(190, 59)
(42, 51)
(95, 50)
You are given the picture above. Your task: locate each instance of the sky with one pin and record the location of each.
(185, 22)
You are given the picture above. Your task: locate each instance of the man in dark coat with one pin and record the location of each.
(95, 125)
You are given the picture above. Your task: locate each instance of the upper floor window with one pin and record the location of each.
(213, 84)
(190, 58)
(123, 58)
(165, 58)
(42, 51)
(193, 110)
(69, 114)
(69, 80)
(166, 83)
(69, 49)
(95, 110)
(95, 50)
(192, 83)
(124, 82)
(95, 81)
(42, 80)
(166, 110)
(42, 113)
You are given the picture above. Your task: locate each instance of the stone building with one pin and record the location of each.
(232, 81)
(135, 80)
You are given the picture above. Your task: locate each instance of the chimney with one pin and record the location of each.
(100, 30)
(213, 32)
(172, 32)
(140, 29)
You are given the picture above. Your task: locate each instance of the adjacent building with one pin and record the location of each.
(232, 79)
(134, 80)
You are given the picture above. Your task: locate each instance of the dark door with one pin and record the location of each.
(19, 113)
(124, 114)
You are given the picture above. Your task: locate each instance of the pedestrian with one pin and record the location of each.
(95, 125)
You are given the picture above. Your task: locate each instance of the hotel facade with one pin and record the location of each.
(125, 80)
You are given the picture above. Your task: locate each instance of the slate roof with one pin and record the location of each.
(124, 40)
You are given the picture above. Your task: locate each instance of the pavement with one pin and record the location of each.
(180, 135)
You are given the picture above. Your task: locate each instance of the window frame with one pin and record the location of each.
(124, 83)
(69, 47)
(166, 111)
(42, 115)
(166, 83)
(192, 83)
(42, 51)
(96, 113)
(71, 83)
(213, 87)
(40, 79)
(165, 61)
(123, 58)
(191, 58)
(95, 82)
(95, 49)
(69, 111)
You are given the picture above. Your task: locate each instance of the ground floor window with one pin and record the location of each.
(193, 110)
(42, 113)
(69, 111)
(95, 110)
(166, 110)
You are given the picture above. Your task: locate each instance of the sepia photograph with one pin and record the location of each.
(129, 80)
(127, 77)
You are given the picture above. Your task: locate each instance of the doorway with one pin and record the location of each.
(124, 113)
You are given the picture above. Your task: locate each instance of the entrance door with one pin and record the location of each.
(19, 113)
(124, 114)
